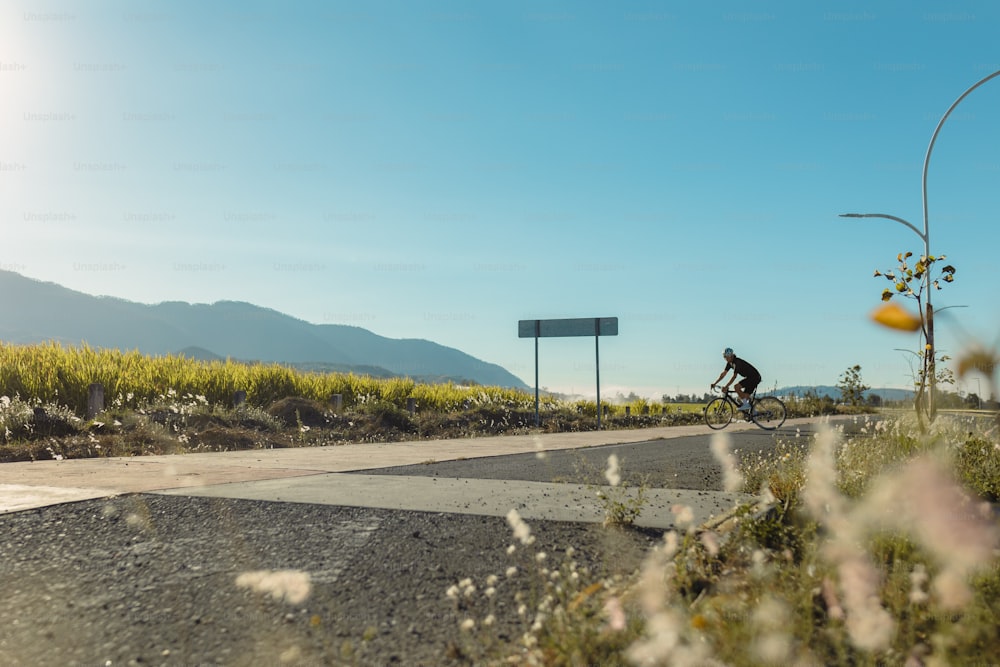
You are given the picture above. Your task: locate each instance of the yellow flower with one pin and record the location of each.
(894, 316)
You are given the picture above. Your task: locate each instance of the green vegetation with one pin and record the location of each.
(851, 387)
(172, 404)
(880, 549)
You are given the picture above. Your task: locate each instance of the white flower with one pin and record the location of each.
(616, 615)
(613, 474)
(292, 586)
(711, 543)
(521, 530)
(732, 479)
(918, 578)
(684, 515)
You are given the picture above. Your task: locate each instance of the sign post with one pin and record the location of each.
(581, 326)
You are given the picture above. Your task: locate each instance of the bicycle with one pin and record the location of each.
(767, 412)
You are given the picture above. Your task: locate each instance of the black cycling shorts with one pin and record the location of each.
(749, 384)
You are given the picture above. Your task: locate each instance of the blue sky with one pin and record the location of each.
(441, 170)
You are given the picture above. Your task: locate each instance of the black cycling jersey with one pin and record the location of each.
(744, 368)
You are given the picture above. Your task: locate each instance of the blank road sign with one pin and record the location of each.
(578, 326)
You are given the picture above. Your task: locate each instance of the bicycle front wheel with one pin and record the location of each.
(718, 413)
(768, 412)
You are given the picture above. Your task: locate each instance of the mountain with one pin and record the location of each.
(32, 311)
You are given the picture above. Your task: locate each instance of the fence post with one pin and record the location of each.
(239, 398)
(411, 404)
(95, 400)
(628, 410)
(338, 402)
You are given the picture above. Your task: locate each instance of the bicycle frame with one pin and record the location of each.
(729, 394)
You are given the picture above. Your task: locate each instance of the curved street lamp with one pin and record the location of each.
(928, 318)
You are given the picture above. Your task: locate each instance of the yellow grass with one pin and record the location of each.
(57, 374)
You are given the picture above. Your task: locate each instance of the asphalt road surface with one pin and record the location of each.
(171, 580)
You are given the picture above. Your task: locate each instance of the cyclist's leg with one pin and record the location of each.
(740, 391)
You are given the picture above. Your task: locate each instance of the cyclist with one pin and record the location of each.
(746, 386)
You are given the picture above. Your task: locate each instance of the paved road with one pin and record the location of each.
(679, 463)
(179, 577)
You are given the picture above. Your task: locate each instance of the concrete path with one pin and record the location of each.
(317, 475)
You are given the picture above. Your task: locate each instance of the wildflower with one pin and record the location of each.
(521, 530)
(869, 626)
(918, 579)
(511, 571)
(670, 544)
(468, 625)
(773, 648)
(613, 474)
(489, 620)
(684, 515)
(926, 502)
(829, 593)
(292, 586)
(711, 543)
(616, 615)
(452, 592)
(732, 479)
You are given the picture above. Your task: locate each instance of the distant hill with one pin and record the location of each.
(33, 311)
(833, 392)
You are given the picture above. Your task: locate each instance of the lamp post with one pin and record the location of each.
(929, 358)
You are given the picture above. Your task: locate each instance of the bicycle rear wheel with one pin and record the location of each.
(768, 412)
(718, 413)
